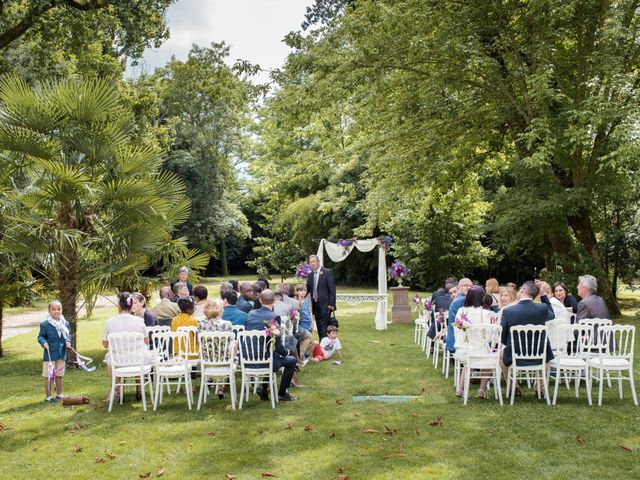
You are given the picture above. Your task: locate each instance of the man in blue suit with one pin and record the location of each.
(525, 312)
(258, 320)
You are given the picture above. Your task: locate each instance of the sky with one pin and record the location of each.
(253, 28)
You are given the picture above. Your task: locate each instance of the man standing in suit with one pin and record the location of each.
(525, 312)
(591, 305)
(322, 287)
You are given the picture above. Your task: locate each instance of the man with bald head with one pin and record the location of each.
(245, 298)
(463, 287)
(166, 309)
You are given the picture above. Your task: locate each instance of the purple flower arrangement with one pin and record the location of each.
(345, 244)
(385, 242)
(427, 305)
(417, 299)
(303, 270)
(462, 322)
(398, 271)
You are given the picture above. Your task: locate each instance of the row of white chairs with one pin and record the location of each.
(174, 356)
(585, 351)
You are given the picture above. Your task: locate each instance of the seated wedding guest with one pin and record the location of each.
(264, 282)
(231, 311)
(125, 322)
(559, 310)
(139, 309)
(280, 307)
(561, 292)
(507, 297)
(200, 294)
(493, 288)
(183, 274)
(245, 300)
(305, 325)
(225, 286)
(166, 309)
(258, 320)
(212, 320)
(463, 287)
(185, 317)
(287, 296)
(234, 284)
(525, 312)
(591, 305)
(473, 311)
(441, 298)
(180, 290)
(257, 287)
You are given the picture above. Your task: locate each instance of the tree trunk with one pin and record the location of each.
(223, 258)
(1, 352)
(67, 281)
(583, 229)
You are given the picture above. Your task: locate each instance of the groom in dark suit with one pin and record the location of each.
(322, 287)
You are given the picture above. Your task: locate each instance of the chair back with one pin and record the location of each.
(483, 338)
(573, 341)
(236, 329)
(255, 349)
(126, 349)
(440, 319)
(618, 341)
(552, 330)
(151, 332)
(171, 347)
(216, 348)
(597, 340)
(192, 347)
(529, 344)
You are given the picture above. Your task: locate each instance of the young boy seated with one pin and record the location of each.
(327, 347)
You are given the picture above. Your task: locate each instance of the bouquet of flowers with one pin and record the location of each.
(427, 305)
(303, 270)
(398, 271)
(462, 322)
(273, 331)
(345, 244)
(385, 242)
(417, 299)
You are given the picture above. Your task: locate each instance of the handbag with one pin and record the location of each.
(333, 320)
(75, 400)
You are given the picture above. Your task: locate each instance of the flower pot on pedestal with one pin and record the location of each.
(400, 310)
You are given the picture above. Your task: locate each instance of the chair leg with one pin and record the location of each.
(232, 390)
(587, 378)
(242, 388)
(144, 395)
(558, 379)
(498, 388)
(633, 387)
(202, 389)
(273, 390)
(577, 381)
(600, 387)
(545, 385)
(467, 374)
(513, 384)
(620, 384)
(158, 396)
(112, 394)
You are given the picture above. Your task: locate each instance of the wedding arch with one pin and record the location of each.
(339, 252)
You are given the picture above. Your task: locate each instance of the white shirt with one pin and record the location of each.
(124, 322)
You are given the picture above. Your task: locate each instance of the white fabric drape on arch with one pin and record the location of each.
(338, 253)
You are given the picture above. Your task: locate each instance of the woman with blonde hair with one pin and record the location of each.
(492, 287)
(213, 321)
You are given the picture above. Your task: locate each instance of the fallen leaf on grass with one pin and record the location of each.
(624, 447)
(112, 456)
(211, 434)
(340, 401)
(228, 476)
(308, 428)
(358, 414)
(333, 435)
(100, 460)
(160, 472)
(580, 440)
(343, 477)
(4, 426)
(144, 475)
(436, 423)
(397, 454)
(268, 474)
(77, 449)
(389, 431)
(122, 443)
(340, 469)
(77, 426)
(34, 449)
(288, 427)
(374, 341)
(414, 414)
(370, 430)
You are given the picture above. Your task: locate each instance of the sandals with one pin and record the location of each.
(481, 394)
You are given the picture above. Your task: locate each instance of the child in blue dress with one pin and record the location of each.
(54, 337)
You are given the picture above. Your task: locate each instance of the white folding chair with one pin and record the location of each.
(129, 358)
(217, 365)
(419, 324)
(616, 356)
(425, 341)
(529, 353)
(596, 340)
(482, 358)
(151, 331)
(439, 344)
(572, 350)
(172, 365)
(256, 363)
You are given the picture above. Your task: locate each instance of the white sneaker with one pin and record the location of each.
(60, 396)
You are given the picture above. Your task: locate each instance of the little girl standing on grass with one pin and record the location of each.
(54, 337)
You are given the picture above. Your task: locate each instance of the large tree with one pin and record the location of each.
(94, 211)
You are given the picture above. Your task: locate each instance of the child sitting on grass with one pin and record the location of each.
(327, 347)
(54, 337)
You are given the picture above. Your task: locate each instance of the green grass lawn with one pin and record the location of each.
(321, 436)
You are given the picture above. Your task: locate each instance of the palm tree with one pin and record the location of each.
(96, 211)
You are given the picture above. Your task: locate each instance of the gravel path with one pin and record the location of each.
(13, 325)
